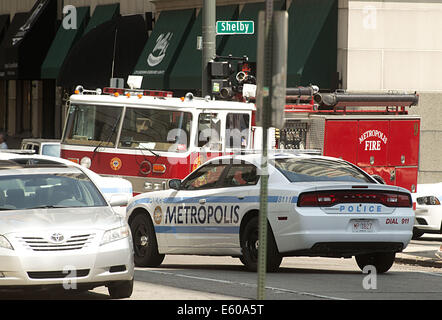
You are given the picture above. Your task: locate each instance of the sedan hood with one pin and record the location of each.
(17, 221)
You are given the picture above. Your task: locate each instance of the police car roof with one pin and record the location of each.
(255, 157)
(154, 102)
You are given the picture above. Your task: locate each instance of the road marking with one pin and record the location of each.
(431, 273)
(245, 285)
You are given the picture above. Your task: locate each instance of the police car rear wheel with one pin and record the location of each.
(382, 261)
(250, 245)
(145, 242)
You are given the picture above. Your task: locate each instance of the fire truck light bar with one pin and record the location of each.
(150, 93)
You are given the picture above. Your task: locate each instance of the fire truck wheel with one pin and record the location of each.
(382, 261)
(145, 242)
(250, 244)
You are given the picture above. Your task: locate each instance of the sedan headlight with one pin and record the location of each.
(115, 234)
(4, 243)
(429, 201)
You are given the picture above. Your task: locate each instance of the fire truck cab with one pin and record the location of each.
(149, 137)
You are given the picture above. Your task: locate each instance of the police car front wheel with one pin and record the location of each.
(145, 242)
(250, 245)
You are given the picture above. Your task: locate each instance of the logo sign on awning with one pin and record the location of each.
(235, 27)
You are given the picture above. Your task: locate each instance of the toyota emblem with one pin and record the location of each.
(57, 237)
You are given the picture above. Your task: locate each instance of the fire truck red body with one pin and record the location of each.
(152, 139)
(375, 132)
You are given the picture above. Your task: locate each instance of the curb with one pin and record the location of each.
(423, 262)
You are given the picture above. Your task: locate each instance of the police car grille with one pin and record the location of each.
(76, 242)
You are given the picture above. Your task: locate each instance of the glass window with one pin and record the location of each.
(209, 131)
(317, 169)
(51, 150)
(162, 130)
(237, 130)
(204, 178)
(48, 190)
(241, 175)
(92, 125)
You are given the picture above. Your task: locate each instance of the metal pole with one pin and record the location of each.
(267, 113)
(209, 42)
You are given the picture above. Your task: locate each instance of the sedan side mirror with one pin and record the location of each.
(117, 200)
(175, 184)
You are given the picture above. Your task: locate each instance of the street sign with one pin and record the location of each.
(279, 70)
(235, 27)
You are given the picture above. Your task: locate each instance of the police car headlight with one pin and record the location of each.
(115, 234)
(428, 201)
(4, 243)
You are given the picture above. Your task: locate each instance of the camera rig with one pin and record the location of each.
(232, 78)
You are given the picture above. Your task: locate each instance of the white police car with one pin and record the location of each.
(317, 206)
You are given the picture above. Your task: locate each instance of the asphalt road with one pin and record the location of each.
(225, 278)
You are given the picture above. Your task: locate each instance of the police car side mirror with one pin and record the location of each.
(175, 184)
(378, 178)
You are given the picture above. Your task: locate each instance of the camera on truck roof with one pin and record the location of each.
(228, 75)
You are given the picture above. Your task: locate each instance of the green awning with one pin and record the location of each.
(163, 48)
(62, 44)
(186, 73)
(4, 24)
(27, 41)
(103, 13)
(240, 45)
(312, 48)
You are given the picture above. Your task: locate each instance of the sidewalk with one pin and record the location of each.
(422, 252)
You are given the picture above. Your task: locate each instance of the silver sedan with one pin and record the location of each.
(57, 229)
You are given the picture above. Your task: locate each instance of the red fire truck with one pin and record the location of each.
(150, 137)
(373, 131)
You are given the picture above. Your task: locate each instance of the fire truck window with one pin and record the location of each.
(209, 128)
(237, 130)
(241, 175)
(204, 178)
(162, 130)
(92, 125)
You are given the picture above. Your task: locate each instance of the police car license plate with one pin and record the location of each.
(362, 225)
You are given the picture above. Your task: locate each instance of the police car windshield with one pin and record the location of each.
(55, 190)
(317, 169)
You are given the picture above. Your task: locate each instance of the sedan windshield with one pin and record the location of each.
(317, 169)
(33, 191)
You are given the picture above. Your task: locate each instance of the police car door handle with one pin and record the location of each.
(241, 197)
(202, 201)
